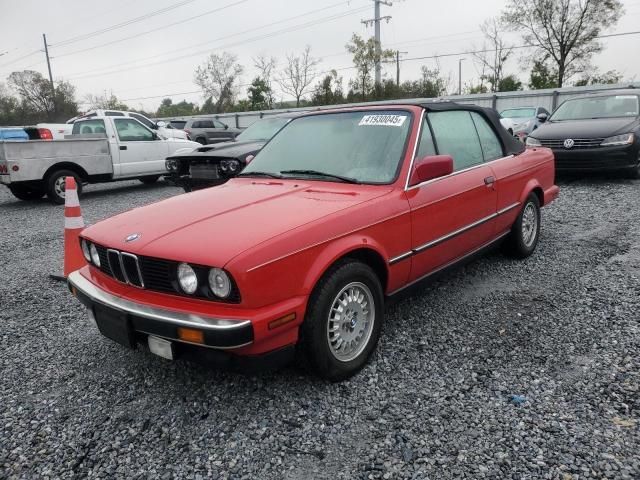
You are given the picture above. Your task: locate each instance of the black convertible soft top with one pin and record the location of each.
(512, 146)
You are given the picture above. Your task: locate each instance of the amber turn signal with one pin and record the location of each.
(281, 321)
(191, 335)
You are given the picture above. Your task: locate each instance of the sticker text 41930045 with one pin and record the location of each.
(383, 120)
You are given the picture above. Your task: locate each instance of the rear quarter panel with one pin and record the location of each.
(518, 176)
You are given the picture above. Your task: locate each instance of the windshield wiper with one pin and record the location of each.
(321, 174)
(259, 174)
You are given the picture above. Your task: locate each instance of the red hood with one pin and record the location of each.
(212, 226)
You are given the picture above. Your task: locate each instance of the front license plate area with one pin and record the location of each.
(114, 325)
(204, 172)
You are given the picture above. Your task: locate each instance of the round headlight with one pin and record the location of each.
(85, 250)
(233, 165)
(187, 278)
(219, 282)
(95, 258)
(171, 165)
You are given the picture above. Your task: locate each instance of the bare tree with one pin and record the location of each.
(299, 74)
(495, 52)
(564, 31)
(266, 66)
(218, 77)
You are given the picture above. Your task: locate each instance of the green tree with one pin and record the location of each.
(366, 53)
(10, 112)
(542, 76)
(328, 91)
(38, 103)
(259, 94)
(564, 31)
(510, 83)
(218, 78)
(169, 109)
(607, 78)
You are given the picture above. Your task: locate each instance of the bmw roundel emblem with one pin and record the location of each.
(569, 143)
(132, 238)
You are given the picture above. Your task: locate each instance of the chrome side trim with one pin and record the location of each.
(451, 235)
(449, 264)
(76, 280)
(506, 209)
(400, 257)
(455, 233)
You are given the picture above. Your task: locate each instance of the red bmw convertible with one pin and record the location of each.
(297, 255)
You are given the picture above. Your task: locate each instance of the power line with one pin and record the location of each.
(451, 54)
(253, 39)
(200, 15)
(20, 58)
(116, 26)
(179, 50)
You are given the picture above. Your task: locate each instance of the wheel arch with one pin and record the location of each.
(66, 166)
(365, 250)
(533, 186)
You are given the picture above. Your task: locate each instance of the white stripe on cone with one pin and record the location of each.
(73, 222)
(71, 198)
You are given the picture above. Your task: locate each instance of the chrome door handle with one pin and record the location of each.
(489, 181)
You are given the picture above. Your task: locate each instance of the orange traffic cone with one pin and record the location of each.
(73, 225)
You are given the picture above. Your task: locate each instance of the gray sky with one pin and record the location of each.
(162, 61)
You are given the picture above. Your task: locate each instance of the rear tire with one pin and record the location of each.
(22, 192)
(55, 185)
(525, 232)
(150, 180)
(343, 320)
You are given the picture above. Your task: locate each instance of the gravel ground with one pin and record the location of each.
(501, 369)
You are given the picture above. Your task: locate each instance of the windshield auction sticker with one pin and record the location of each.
(383, 120)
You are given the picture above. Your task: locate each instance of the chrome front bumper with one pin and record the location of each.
(221, 333)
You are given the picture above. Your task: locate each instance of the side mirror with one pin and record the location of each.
(161, 124)
(543, 117)
(226, 126)
(430, 167)
(155, 136)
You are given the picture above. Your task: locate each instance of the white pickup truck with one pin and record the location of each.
(100, 149)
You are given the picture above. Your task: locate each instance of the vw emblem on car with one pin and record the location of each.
(569, 143)
(132, 238)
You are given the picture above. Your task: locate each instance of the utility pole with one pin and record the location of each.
(53, 88)
(460, 76)
(398, 53)
(376, 23)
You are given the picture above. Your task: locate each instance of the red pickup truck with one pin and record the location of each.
(340, 210)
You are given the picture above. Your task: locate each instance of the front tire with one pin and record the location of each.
(201, 141)
(525, 232)
(343, 321)
(22, 192)
(56, 185)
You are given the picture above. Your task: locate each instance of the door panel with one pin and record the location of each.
(451, 216)
(139, 153)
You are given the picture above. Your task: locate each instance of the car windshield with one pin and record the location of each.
(518, 113)
(363, 146)
(262, 129)
(597, 107)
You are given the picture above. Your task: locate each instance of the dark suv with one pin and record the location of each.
(209, 130)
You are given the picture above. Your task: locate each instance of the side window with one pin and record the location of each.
(455, 135)
(490, 143)
(218, 124)
(143, 120)
(130, 130)
(88, 126)
(195, 125)
(206, 124)
(425, 147)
